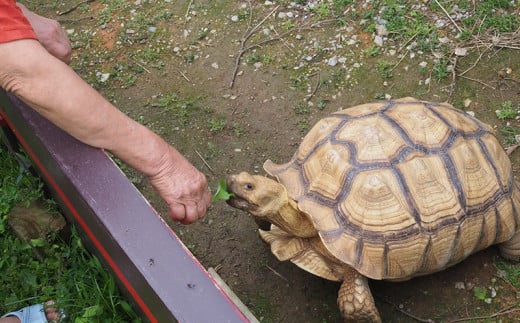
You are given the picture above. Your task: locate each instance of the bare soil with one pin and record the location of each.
(265, 115)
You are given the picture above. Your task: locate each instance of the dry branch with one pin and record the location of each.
(74, 7)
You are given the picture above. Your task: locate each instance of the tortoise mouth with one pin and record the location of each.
(240, 203)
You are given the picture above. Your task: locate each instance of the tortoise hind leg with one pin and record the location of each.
(355, 300)
(510, 249)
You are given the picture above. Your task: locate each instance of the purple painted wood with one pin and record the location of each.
(153, 267)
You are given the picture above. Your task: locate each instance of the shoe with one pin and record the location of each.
(30, 314)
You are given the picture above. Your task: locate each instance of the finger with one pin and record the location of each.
(192, 213)
(202, 208)
(177, 212)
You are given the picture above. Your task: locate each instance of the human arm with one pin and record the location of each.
(50, 34)
(59, 94)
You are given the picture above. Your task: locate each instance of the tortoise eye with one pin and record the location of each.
(248, 186)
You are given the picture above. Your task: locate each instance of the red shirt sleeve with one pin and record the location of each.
(13, 24)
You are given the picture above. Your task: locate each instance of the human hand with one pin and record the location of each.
(183, 187)
(50, 34)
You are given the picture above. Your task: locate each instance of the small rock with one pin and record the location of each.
(332, 61)
(461, 51)
(381, 30)
(102, 77)
(215, 66)
(234, 18)
(467, 103)
(460, 285)
(471, 113)
(378, 40)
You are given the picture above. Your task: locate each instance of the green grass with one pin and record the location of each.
(507, 111)
(68, 273)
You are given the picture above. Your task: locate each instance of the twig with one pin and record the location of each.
(184, 75)
(474, 63)
(478, 81)
(453, 79)
(187, 12)
(318, 83)
(448, 15)
(276, 273)
(249, 32)
(404, 56)
(142, 66)
(504, 311)
(419, 319)
(204, 161)
(511, 79)
(74, 7)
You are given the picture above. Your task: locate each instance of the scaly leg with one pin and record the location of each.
(355, 300)
(511, 249)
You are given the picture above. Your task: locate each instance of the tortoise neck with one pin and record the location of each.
(293, 221)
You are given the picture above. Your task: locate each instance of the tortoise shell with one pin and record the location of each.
(403, 188)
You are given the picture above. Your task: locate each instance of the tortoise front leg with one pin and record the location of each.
(355, 300)
(511, 249)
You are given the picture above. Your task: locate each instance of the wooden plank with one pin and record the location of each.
(153, 267)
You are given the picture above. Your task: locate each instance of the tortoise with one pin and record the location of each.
(388, 190)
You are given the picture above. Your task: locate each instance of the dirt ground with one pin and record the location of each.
(264, 115)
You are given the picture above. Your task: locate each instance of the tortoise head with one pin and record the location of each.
(268, 201)
(260, 196)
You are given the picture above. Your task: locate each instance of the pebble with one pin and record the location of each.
(378, 40)
(332, 61)
(461, 51)
(460, 285)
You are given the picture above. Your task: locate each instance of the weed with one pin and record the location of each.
(322, 104)
(238, 130)
(506, 111)
(288, 24)
(508, 271)
(385, 68)
(178, 109)
(510, 134)
(216, 125)
(299, 81)
(261, 307)
(440, 69)
(372, 51)
(322, 9)
(302, 108)
(303, 125)
(189, 58)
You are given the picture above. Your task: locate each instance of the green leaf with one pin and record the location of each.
(37, 242)
(222, 192)
(480, 292)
